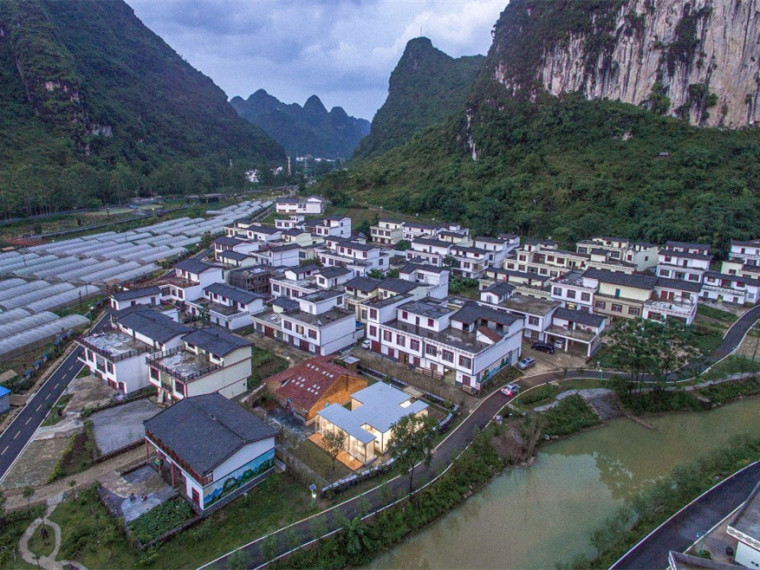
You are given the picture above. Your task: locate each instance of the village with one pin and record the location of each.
(296, 344)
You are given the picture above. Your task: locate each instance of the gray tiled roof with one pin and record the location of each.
(234, 293)
(137, 293)
(472, 312)
(206, 430)
(194, 266)
(215, 340)
(681, 284)
(234, 255)
(579, 317)
(397, 285)
(150, 323)
(330, 272)
(616, 278)
(364, 284)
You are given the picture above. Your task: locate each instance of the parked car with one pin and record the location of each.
(366, 344)
(526, 363)
(510, 390)
(543, 347)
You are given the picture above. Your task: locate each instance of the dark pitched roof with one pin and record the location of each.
(472, 312)
(500, 288)
(206, 430)
(264, 230)
(215, 340)
(234, 293)
(330, 272)
(432, 241)
(286, 303)
(195, 266)
(616, 278)
(686, 254)
(580, 317)
(411, 267)
(397, 285)
(234, 255)
(225, 240)
(681, 284)
(687, 245)
(364, 284)
(136, 293)
(150, 323)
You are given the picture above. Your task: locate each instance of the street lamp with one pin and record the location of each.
(313, 489)
(599, 366)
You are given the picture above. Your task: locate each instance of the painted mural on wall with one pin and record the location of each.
(239, 477)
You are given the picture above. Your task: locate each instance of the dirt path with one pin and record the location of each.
(44, 493)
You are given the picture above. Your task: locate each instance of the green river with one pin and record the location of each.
(542, 515)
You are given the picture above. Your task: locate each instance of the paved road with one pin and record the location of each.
(14, 439)
(733, 493)
(681, 530)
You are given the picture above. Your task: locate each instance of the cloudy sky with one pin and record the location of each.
(341, 50)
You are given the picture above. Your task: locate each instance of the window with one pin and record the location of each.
(448, 356)
(431, 350)
(557, 291)
(465, 361)
(90, 355)
(299, 329)
(312, 333)
(600, 305)
(633, 311)
(387, 336)
(430, 323)
(373, 331)
(617, 293)
(585, 296)
(400, 340)
(570, 294)
(615, 308)
(693, 277)
(287, 325)
(109, 367)
(153, 373)
(533, 321)
(404, 315)
(414, 344)
(373, 314)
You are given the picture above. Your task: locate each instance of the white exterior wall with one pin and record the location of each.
(242, 456)
(147, 300)
(747, 556)
(229, 381)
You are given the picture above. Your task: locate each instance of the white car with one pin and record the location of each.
(366, 344)
(510, 390)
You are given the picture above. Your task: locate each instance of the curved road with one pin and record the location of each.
(459, 438)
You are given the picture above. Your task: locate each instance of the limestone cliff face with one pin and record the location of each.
(698, 60)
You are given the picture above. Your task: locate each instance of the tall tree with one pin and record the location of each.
(412, 443)
(335, 440)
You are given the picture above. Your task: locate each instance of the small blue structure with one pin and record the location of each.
(5, 399)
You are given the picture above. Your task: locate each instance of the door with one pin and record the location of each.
(196, 498)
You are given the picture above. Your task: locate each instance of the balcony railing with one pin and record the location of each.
(153, 360)
(108, 355)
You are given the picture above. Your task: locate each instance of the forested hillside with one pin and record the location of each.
(96, 107)
(570, 168)
(310, 129)
(425, 87)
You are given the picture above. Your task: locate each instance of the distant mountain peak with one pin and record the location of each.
(304, 130)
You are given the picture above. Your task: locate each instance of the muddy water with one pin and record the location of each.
(542, 515)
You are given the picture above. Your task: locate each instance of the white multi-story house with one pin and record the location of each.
(226, 306)
(117, 355)
(498, 247)
(536, 313)
(473, 342)
(469, 262)
(211, 448)
(685, 261)
(208, 360)
(289, 223)
(572, 293)
(332, 277)
(496, 293)
(544, 258)
(225, 244)
(266, 234)
(138, 296)
(436, 278)
(416, 230)
(191, 277)
(311, 206)
(387, 231)
(673, 298)
(336, 226)
(288, 255)
(429, 251)
(320, 324)
(748, 252)
(359, 258)
(235, 260)
(642, 255)
(531, 284)
(294, 282)
(730, 288)
(576, 330)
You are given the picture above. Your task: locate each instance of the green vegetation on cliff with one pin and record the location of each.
(95, 106)
(570, 168)
(426, 87)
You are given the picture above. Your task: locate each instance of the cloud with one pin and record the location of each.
(341, 50)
